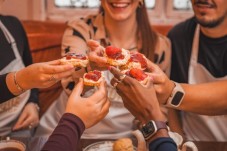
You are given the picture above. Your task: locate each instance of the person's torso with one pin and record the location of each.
(119, 120)
(10, 109)
(212, 52)
(210, 66)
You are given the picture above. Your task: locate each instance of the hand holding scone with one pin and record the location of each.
(97, 105)
(104, 57)
(96, 55)
(135, 99)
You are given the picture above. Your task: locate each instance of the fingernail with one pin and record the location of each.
(152, 79)
(109, 68)
(70, 66)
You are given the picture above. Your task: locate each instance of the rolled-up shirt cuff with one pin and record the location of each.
(163, 144)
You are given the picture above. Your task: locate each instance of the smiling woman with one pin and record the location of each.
(91, 3)
(122, 24)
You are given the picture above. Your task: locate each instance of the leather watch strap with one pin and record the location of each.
(161, 125)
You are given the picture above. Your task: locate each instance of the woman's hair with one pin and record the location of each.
(148, 36)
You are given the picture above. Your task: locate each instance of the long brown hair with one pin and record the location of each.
(148, 36)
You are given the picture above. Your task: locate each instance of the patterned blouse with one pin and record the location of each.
(118, 122)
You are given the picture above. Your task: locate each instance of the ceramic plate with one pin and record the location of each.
(101, 146)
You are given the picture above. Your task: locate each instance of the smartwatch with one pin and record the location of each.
(151, 128)
(176, 96)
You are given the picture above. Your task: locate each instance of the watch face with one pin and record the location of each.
(148, 129)
(177, 98)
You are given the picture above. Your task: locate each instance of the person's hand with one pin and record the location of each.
(92, 109)
(29, 118)
(95, 55)
(43, 75)
(163, 85)
(69, 83)
(140, 100)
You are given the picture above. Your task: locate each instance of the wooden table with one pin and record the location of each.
(211, 146)
(202, 146)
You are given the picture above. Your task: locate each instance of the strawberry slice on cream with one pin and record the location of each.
(93, 78)
(137, 60)
(77, 60)
(116, 56)
(138, 74)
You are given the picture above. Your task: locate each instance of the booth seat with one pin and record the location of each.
(45, 44)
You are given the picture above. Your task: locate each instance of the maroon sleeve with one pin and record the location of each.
(66, 135)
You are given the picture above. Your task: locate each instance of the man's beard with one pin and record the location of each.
(212, 23)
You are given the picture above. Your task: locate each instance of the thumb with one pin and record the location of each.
(92, 44)
(157, 78)
(54, 62)
(77, 91)
(151, 66)
(149, 83)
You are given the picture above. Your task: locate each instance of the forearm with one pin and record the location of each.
(208, 99)
(66, 135)
(174, 121)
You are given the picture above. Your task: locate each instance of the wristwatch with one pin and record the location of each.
(176, 96)
(151, 128)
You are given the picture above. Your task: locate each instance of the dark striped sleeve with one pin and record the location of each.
(5, 94)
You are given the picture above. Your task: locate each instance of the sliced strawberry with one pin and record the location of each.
(68, 57)
(138, 74)
(73, 55)
(138, 57)
(79, 56)
(114, 53)
(93, 75)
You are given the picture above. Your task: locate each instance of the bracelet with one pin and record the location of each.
(16, 83)
(36, 106)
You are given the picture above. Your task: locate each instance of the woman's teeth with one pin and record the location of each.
(120, 5)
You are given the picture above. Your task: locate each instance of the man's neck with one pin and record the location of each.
(121, 32)
(216, 32)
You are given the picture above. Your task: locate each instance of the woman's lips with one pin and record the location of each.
(119, 5)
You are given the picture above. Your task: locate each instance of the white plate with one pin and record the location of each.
(101, 146)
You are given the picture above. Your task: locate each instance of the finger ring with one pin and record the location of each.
(121, 78)
(52, 78)
(115, 84)
(30, 126)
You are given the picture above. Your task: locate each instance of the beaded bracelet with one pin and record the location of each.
(16, 83)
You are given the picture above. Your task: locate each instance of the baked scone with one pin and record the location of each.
(138, 74)
(116, 56)
(137, 60)
(123, 144)
(77, 60)
(93, 78)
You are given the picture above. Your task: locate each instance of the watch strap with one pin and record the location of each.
(176, 96)
(160, 125)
